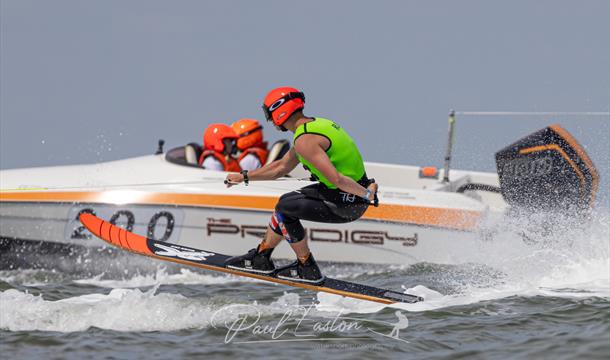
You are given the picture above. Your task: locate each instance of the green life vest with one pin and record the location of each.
(343, 153)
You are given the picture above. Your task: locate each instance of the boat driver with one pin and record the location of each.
(253, 149)
(219, 148)
(342, 193)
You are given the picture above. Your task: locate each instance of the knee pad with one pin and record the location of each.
(293, 232)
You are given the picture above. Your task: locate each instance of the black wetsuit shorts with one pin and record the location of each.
(315, 203)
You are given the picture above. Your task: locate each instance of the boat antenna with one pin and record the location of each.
(449, 146)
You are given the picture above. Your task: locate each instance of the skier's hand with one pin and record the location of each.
(233, 179)
(373, 188)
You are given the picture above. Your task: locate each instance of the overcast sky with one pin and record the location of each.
(89, 81)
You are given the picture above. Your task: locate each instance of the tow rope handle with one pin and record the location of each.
(375, 201)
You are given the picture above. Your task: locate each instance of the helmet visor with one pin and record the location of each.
(267, 113)
(251, 131)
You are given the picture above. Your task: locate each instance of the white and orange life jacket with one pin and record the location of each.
(228, 162)
(260, 153)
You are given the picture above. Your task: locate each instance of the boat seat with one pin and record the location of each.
(278, 150)
(192, 152)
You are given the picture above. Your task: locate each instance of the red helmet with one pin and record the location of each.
(281, 103)
(249, 132)
(215, 134)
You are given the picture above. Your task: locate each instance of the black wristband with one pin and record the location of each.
(245, 175)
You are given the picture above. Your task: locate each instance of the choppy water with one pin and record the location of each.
(552, 301)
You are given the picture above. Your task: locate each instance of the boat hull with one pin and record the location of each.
(418, 219)
(233, 231)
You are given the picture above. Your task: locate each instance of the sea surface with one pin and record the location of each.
(551, 302)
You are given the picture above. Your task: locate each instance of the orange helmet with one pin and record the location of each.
(214, 136)
(281, 103)
(249, 132)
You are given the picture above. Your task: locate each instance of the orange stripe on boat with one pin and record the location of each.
(420, 215)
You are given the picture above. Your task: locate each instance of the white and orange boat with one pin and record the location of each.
(425, 214)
